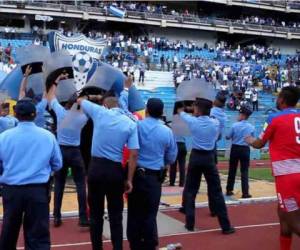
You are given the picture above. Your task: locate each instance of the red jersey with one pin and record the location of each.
(282, 130)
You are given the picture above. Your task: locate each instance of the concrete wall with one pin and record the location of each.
(286, 46)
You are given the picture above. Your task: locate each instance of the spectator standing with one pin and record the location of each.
(142, 68)
(255, 99)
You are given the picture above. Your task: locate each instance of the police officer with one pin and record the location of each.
(240, 150)
(205, 131)
(218, 112)
(157, 148)
(69, 126)
(106, 178)
(28, 154)
(41, 106)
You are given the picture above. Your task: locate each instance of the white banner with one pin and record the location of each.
(43, 18)
(76, 44)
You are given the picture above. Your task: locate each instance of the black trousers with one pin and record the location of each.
(27, 204)
(143, 204)
(210, 203)
(142, 76)
(239, 154)
(71, 158)
(203, 163)
(180, 160)
(255, 106)
(106, 179)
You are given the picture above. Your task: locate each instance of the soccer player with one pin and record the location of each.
(282, 130)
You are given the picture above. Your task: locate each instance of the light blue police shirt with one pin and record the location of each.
(7, 122)
(123, 104)
(40, 120)
(239, 131)
(157, 144)
(112, 131)
(219, 114)
(180, 138)
(204, 130)
(28, 154)
(69, 124)
(123, 100)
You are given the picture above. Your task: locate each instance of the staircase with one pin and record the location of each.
(155, 79)
(158, 84)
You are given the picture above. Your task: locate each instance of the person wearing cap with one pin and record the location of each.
(157, 149)
(29, 154)
(106, 178)
(218, 112)
(69, 125)
(41, 106)
(240, 151)
(205, 132)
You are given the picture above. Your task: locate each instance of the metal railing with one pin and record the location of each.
(292, 4)
(206, 21)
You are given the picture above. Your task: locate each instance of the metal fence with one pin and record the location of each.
(206, 21)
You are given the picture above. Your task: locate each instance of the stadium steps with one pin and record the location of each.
(155, 79)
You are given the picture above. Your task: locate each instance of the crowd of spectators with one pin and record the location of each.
(268, 21)
(162, 9)
(233, 69)
(253, 52)
(154, 48)
(166, 10)
(237, 81)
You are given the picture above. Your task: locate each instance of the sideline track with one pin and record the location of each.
(257, 226)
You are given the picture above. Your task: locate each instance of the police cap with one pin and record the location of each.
(246, 110)
(155, 107)
(221, 98)
(25, 107)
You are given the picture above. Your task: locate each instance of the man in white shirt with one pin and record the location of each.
(255, 99)
(248, 95)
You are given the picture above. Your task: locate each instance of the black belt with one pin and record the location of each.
(148, 171)
(27, 185)
(103, 159)
(202, 151)
(240, 146)
(68, 146)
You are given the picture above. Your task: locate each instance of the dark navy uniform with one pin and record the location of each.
(240, 151)
(205, 131)
(29, 154)
(157, 148)
(69, 126)
(112, 131)
(218, 112)
(180, 161)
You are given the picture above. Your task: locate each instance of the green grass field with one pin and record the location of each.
(263, 156)
(256, 174)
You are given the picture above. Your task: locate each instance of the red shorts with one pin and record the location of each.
(288, 192)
